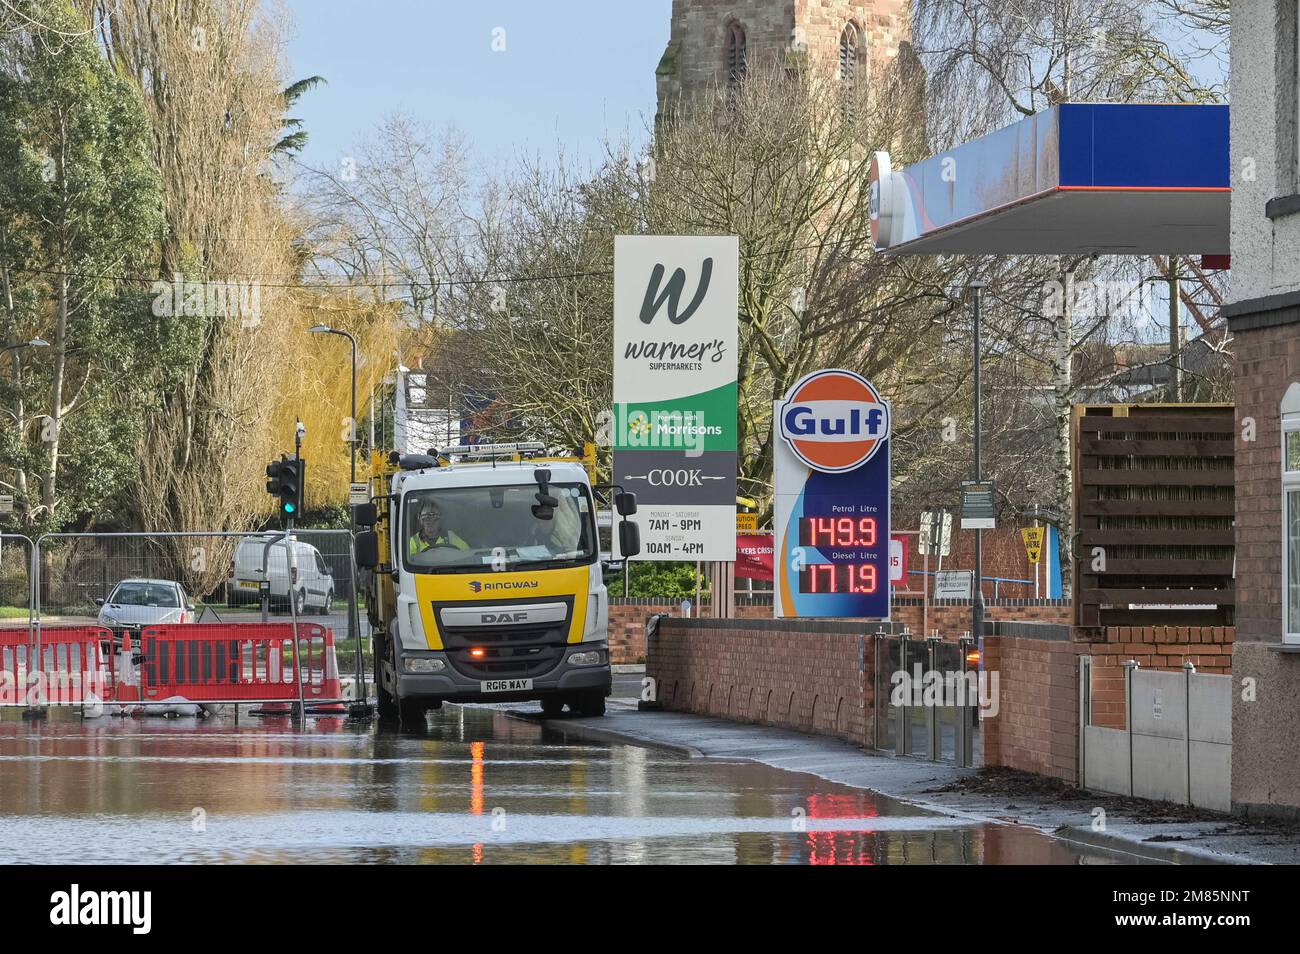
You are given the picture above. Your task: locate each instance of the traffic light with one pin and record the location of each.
(286, 479)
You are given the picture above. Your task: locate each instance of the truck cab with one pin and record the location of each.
(488, 584)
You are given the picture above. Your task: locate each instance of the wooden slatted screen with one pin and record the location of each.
(1153, 499)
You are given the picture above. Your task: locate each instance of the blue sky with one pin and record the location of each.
(571, 71)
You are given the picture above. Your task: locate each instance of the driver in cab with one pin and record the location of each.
(431, 532)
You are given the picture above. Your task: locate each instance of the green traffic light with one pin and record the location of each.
(289, 508)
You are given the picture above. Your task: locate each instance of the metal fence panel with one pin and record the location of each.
(1211, 774)
(227, 577)
(217, 570)
(1160, 768)
(1210, 699)
(15, 579)
(1106, 760)
(1177, 743)
(1158, 703)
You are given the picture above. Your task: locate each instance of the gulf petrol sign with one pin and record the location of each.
(834, 421)
(832, 518)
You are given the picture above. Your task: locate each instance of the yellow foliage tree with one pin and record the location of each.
(316, 384)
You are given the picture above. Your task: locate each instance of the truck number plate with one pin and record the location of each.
(506, 685)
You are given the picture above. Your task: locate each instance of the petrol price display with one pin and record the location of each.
(837, 531)
(851, 578)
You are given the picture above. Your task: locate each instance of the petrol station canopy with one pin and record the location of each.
(1136, 179)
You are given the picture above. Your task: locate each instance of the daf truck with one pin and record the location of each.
(484, 580)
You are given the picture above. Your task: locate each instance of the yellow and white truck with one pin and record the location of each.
(484, 579)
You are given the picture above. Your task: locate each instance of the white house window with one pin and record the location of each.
(1291, 515)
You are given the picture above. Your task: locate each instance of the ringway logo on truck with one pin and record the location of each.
(835, 421)
(479, 587)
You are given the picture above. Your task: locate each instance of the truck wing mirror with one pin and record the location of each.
(366, 548)
(625, 503)
(629, 538)
(365, 515)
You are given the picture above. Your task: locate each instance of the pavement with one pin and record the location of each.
(1148, 831)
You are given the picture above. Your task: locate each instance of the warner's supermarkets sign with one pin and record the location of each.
(675, 391)
(832, 498)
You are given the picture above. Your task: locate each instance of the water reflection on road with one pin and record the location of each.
(477, 787)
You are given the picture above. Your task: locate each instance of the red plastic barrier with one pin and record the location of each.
(236, 662)
(75, 666)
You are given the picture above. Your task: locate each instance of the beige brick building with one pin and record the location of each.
(715, 42)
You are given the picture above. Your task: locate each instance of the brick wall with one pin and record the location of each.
(951, 618)
(1268, 361)
(1163, 648)
(1266, 723)
(1036, 728)
(817, 676)
(808, 675)
(627, 626)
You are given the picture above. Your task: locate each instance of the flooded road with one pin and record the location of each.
(477, 787)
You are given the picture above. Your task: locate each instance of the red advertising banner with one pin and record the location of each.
(754, 556)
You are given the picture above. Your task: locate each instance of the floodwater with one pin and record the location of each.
(477, 787)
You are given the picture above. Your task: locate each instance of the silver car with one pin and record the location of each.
(135, 603)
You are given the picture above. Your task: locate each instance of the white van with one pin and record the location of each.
(313, 587)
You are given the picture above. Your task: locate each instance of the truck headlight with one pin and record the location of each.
(592, 658)
(414, 664)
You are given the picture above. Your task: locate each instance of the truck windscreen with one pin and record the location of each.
(462, 528)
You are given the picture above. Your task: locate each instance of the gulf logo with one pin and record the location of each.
(834, 420)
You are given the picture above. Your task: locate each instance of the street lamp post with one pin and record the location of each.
(352, 439)
(977, 604)
(33, 343)
(359, 708)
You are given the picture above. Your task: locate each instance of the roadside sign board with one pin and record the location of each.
(359, 493)
(754, 556)
(746, 522)
(898, 561)
(675, 398)
(935, 537)
(6, 503)
(978, 509)
(953, 585)
(832, 456)
(1033, 537)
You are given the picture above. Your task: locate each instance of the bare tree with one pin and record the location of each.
(211, 75)
(991, 62)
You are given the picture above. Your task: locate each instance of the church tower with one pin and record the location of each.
(714, 42)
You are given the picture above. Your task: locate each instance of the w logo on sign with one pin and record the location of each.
(672, 293)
